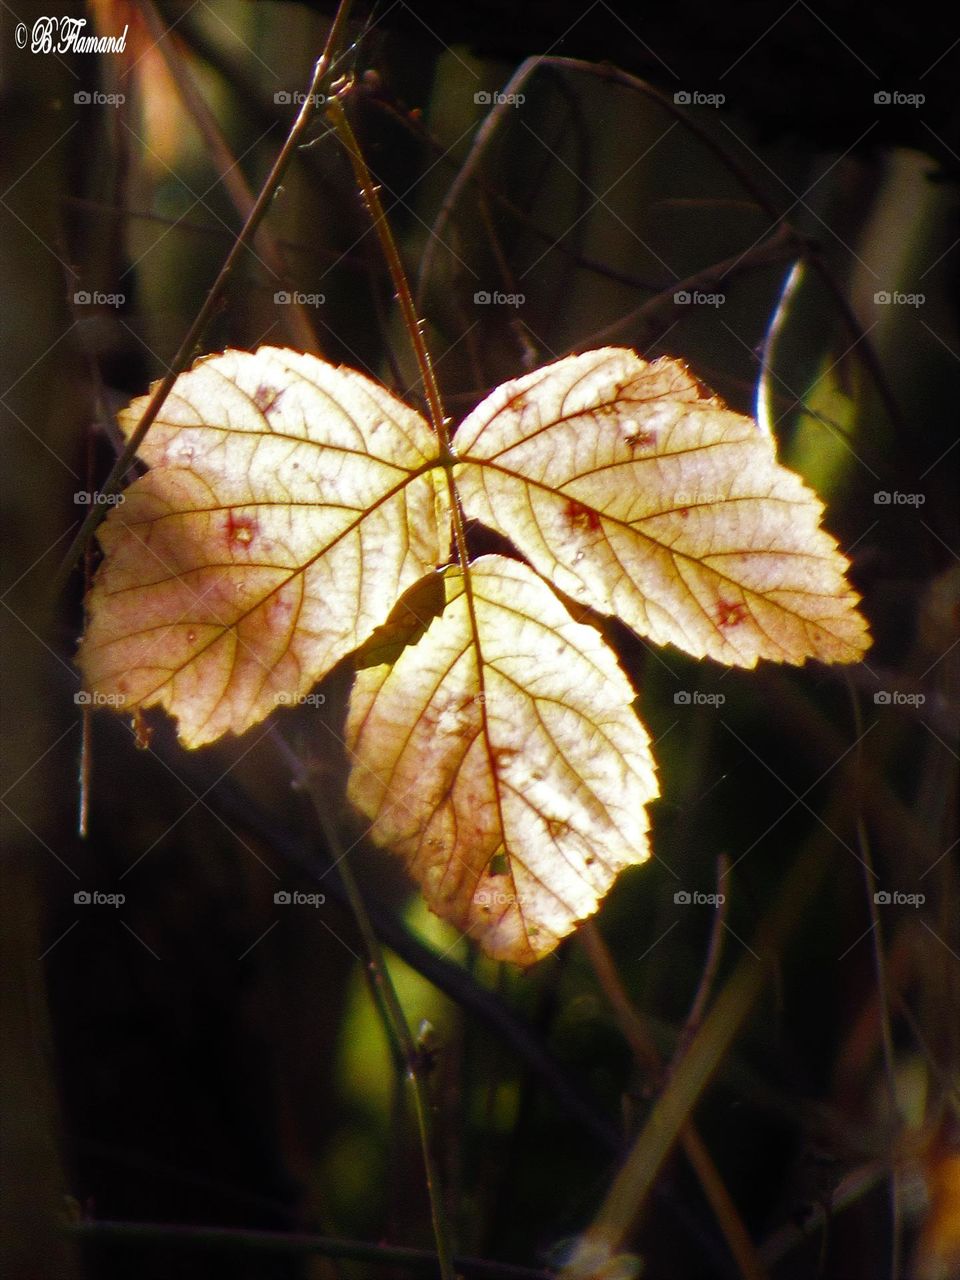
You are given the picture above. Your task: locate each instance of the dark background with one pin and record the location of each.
(200, 1057)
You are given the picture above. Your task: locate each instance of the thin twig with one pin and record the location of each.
(467, 171)
(714, 950)
(759, 196)
(85, 761)
(104, 210)
(418, 130)
(371, 198)
(646, 1052)
(340, 122)
(200, 1238)
(631, 1024)
(615, 1218)
(851, 1190)
(389, 1005)
(478, 1001)
(883, 1000)
(204, 315)
(777, 248)
(299, 328)
(446, 456)
(615, 75)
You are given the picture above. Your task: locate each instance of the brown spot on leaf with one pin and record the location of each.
(730, 613)
(279, 610)
(241, 530)
(265, 397)
(640, 438)
(580, 516)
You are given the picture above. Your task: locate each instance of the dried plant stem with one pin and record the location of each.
(469, 172)
(883, 1004)
(298, 326)
(776, 248)
(391, 1011)
(447, 457)
(112, 483)
(886, 1037)
(645, 1051)
(604, 1238)
(492, 1014)
(852, 1190)
(225, 1239)
(711, 965)
(371, 198)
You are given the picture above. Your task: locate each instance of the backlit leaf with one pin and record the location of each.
(504, 765)
(294, 513)
(635, 491)
(281, 517)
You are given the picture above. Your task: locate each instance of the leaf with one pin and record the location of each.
(287, 506)
(633, 490)
(504, 764)
(295, 513)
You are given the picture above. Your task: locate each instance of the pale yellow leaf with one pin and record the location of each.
(634, 491)
(292, 514)
(505, 764)
(288, 504)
